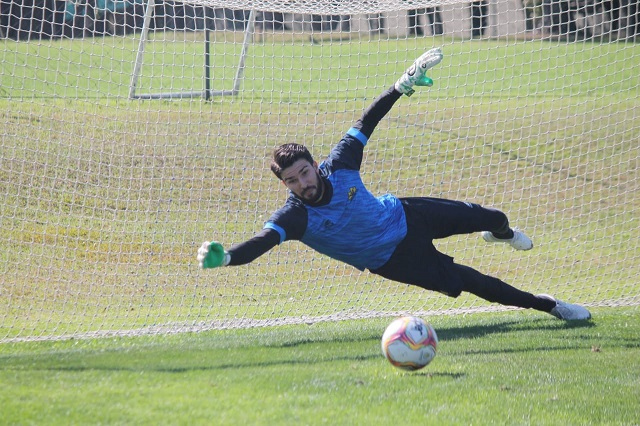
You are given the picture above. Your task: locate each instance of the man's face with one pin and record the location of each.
(303, 179)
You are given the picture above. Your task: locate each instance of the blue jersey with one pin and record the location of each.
(353, 226)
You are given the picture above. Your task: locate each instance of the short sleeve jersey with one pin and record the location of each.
(354, 226)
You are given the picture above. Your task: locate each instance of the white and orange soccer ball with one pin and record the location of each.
(409, 343)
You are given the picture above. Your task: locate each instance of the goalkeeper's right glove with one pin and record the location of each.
(212, 255)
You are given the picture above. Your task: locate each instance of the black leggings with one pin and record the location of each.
(416, 261)
(494, 290)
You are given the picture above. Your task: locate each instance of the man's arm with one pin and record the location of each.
(348, 153)
(415, 75)
(250, 250)
(376, 111)
(213, 255)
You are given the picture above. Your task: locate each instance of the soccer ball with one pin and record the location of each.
(409, 343)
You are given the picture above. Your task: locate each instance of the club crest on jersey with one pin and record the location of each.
(352, 193)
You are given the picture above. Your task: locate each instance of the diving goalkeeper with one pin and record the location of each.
(330, 210)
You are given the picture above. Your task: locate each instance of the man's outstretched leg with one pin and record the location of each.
(566, 311)
(494, 290)
(445, 218)
(514, 237)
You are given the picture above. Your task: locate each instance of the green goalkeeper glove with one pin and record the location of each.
(416, 74)
(212, 255)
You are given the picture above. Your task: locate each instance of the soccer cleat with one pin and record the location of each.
(566, 311)
(519, 241)
(415, 75)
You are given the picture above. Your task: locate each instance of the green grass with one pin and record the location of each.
(104, 200)
(509, 369)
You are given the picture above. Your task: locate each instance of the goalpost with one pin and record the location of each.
(207, 92)
(121, 150)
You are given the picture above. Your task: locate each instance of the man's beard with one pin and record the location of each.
(311, 194)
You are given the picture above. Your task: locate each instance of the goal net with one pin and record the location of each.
(106, 197)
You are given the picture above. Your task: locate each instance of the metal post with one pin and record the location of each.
(207, 81)
(143, 38)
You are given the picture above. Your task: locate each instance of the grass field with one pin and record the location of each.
(102, 192)
(505, 369)
(103, 202)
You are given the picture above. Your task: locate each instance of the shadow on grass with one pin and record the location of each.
(121, 364)
(427, 373)
(179, 359)
(447, 333)
(475, 331)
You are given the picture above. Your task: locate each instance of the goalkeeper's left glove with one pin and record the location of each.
(212, 255)
(416, 75)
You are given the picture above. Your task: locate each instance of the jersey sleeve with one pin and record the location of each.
(290, 221)
(347, 154)
(287, 223)
(250, 250)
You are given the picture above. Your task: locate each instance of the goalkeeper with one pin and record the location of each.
(330, 210)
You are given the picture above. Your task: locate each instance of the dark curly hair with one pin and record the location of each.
(285, 155)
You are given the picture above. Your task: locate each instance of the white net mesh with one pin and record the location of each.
(106, 199)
